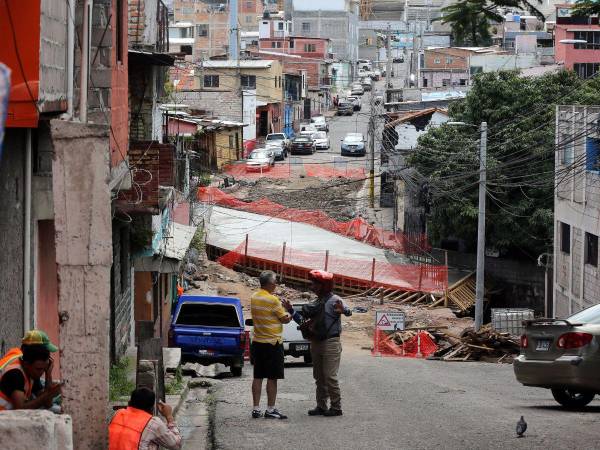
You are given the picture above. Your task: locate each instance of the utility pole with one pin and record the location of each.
(234, 49)
(372, 158)
(480, 276)
(388, 69)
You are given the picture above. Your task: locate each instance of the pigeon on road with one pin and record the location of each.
(521, 427)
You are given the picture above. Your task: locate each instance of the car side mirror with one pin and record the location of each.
(249, 322)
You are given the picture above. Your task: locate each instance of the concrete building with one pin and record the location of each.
(584, 59)
(214, 88)
(200, 28)
(576, 210)
(336, 20)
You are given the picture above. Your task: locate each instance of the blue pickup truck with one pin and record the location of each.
(209, 330)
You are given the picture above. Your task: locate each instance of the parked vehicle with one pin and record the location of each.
(345, 108)
(209, 330)
(320, 123)
(321, 140)
(276, 137)
(308, 127)
(357, 89)
(399, 59)
(562, 355)
(366, 83)
(376, 75)
(260, 159)
(278, 149)
(353, 144)
(356, 103)
(303, 145)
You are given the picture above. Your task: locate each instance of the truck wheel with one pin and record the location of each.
(571, 398)
(307, 359)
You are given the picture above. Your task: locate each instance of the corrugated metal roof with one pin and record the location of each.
(233, 64)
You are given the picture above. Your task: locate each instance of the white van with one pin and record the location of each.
(293, 342)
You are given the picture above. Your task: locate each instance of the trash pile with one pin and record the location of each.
(484, 345)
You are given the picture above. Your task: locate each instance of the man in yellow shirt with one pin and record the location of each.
(268, 315)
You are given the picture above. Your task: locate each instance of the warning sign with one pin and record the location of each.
(389, 320)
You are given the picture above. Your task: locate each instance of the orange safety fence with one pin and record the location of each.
(357, 228)
(283, 170)
(421, 345)
(351, 272)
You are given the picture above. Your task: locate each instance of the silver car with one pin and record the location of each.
(562, 355)
(260, 159)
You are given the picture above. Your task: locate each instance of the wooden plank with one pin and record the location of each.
(408, 299)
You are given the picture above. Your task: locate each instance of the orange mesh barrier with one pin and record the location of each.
(323, 170)
(357, 228)
(350, 272)
(419, 346)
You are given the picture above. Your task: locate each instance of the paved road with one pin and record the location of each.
(394, 403)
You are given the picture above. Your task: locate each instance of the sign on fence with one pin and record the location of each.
(389, 320)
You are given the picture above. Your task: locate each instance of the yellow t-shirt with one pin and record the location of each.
(266, 311)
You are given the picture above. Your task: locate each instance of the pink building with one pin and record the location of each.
(582, 58)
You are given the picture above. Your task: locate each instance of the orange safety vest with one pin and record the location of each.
(126, 428)
(11, 361)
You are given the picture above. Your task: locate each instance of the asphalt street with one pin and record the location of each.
(395, 403)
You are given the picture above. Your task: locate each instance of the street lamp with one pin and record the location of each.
(480, 274)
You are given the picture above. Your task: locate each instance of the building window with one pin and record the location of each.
(424, 82)
(249, 81)
(446, 82)
(463, 81)
(186, 49)
(202, 30)
(448, 60)
(591, 249)
(248, 19)
(305, 26)
(249, 5)
(565, 238)
(276, 44)
(591, 37)
(280, 26)
(211, 81)
(310, 48)
(586, 70)
(291, 43)
(592, 145)
(436, 61)
(230, 142)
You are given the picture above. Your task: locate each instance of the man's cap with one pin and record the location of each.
(38, 337)
(320, 275)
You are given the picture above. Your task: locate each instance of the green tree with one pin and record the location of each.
(586, 8)
(520, 114)
(470, 20)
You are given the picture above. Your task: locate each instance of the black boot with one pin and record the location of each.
(318, 411)
(331, 412)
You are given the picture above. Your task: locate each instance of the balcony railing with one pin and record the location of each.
(162, 16)
(279, 33)
(138, 27)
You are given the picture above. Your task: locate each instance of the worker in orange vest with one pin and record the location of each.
(134, 428)
(21, 371)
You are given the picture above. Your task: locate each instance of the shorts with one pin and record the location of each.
(268, 360)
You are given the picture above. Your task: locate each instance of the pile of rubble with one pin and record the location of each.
(484, 345)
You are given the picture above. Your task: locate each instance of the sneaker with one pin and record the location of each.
(256, 413)
(318, 411)
(274, 414)
(332, 412)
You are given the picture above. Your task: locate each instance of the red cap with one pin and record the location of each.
(320, 275)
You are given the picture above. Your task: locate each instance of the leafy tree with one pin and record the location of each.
(586, 8)
(470, 19)
(520, 114)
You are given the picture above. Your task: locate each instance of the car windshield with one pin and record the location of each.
(208, 315)
(319, 119)
(275, 137)
(320, 135)
(301, 139)
(258, 155)
(344, 104)
(353, 138)
(589, 315)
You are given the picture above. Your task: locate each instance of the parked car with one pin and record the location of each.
(345, 108)
(399, 59)
(353, 144)
(321, 140)
(320, 123)
(356, 103)
(308, 127)
(357, 89)
(276, 137)
(260, 159)
(209, 330)
(303, 145)
(278, 149)
(376, 75)
(366, 83)
(562, 355)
